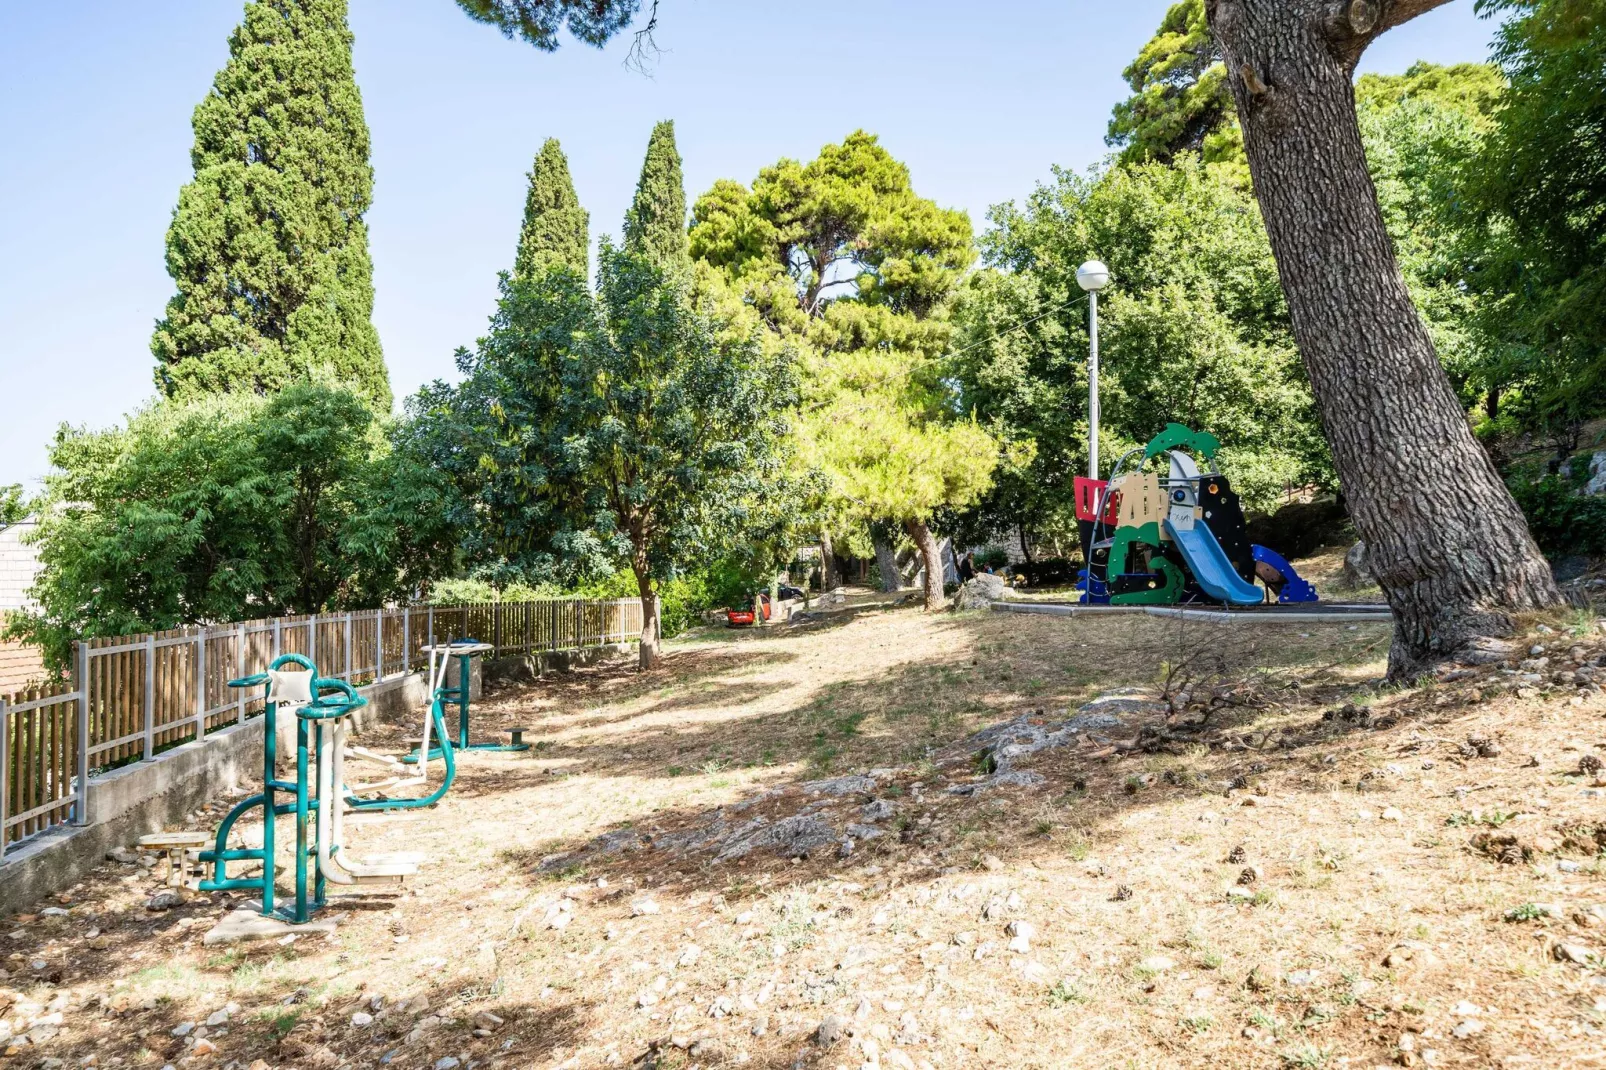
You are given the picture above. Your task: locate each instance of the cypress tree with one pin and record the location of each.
(655, 225)
(555, 226)
(267, 245)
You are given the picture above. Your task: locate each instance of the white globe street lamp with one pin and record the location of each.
(1093, 276)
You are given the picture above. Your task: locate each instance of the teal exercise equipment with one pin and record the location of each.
(464, 650)
(321, 708)
(375, 795)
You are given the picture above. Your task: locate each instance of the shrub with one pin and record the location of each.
(228, 508)
(1561, 519)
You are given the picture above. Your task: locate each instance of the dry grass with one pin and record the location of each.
(1147, 952)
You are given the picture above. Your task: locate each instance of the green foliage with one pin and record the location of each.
(1180, 98)
(842, 259)
(1193, 330)
(538, 21)
(227, 508)
(267, 245)
(14, 505)
(1562, 520)
(555, 231)
(1473, 89)
(1537, 239)
(625, 430)
(655, 224)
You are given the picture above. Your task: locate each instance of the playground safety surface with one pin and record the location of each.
(1295, 868)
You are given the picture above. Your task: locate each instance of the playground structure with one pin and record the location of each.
(1176, 539)
(321, 708)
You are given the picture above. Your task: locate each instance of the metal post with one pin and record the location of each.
(278, 646)
(407, 639)
(431, 625)
(150, 697)
(200, 686)
(5, 776)
(81, 671)
(239, 671)
(312, 640)
(347, 675)
(1093, 384)
(379, 644)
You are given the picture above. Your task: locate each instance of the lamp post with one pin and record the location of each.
(1093, 276)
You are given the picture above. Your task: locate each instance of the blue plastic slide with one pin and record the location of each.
(1210, 567)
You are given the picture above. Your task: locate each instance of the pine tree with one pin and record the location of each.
(555, 231)
(268, 245)
(655, 225)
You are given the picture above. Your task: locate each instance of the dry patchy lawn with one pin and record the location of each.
(1280, 874)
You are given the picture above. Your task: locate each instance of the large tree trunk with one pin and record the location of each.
(926, 543)
(648, 652)
(829, 578)
(1450, 548)
(886, 560)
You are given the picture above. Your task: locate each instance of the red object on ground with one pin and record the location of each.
(1087, 501)
(737, 618)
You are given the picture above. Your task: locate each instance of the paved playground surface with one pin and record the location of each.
(1294, 869)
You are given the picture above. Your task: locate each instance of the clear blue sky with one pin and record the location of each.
(96, 96)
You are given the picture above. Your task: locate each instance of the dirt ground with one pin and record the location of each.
(1285, 865)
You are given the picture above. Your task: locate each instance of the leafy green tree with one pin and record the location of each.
(630, 432)
(267, 245)
(539, 21)
(655, 224)
(226, 508)
(14, 505)
(1538, 193)
(643, 427)
(555, 231)
(842, 258)
(1180, 101)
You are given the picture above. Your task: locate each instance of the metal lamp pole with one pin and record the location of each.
(1093, 276)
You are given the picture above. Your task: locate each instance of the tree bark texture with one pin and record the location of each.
(1449, 547)
(886, 560)
(931, 555)
(647, 656)
(830, 577)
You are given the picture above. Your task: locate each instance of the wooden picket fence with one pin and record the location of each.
(133, 696)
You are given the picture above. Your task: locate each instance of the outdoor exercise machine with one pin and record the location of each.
(375, 794)
(464, 650)
(1153, 540)
(321, 708)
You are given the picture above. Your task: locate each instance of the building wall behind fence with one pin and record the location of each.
(133, 697)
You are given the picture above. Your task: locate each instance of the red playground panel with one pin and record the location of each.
(1087, 501)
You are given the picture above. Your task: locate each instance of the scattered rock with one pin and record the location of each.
(166, 899)
(829, 1031)
(643, 906)
(842, 785)
(1357, 573)
(877, 810)
(980, 592)
(1576, 953)
(362, 1019)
